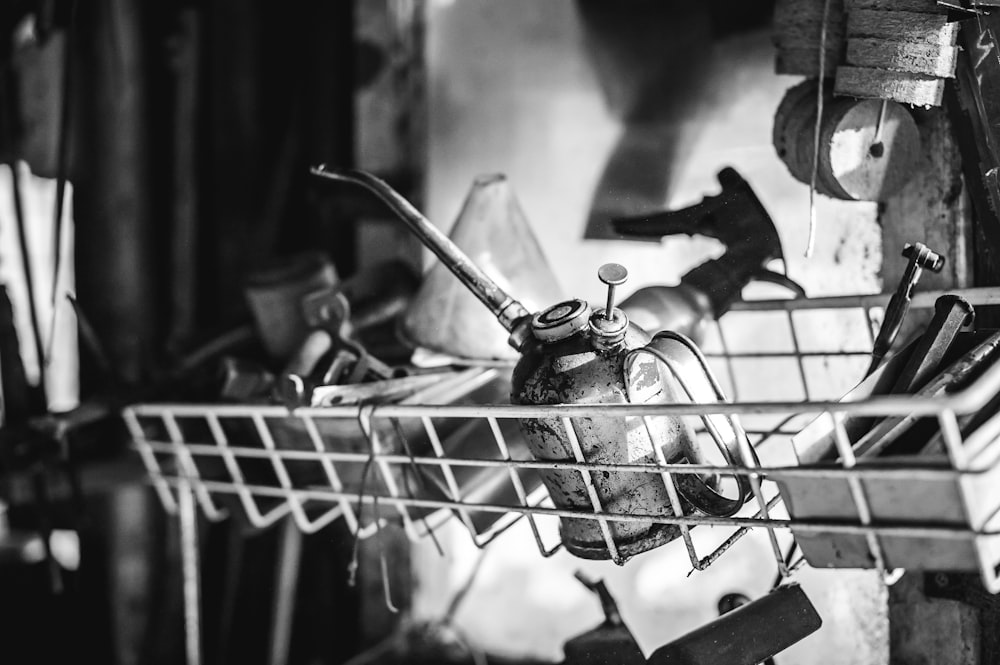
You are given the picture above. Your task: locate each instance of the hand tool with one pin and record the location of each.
(951, 314)
(921, 258)
(889, 430)
(374, 391)
(329, 355)
(747, 635)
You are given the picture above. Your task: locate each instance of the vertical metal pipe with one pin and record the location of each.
(192, 581)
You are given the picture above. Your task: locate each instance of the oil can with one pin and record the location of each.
(574, 354)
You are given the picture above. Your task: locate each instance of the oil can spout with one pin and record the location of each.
(512, 314)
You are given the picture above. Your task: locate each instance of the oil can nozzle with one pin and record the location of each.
(512, 314)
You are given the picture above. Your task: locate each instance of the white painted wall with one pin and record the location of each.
(511, 90)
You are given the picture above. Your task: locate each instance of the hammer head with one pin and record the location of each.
(923, 256)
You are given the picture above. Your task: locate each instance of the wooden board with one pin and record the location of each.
(919, 6)
(909, 27)
(930, 59)
(788, 12)
(866, 82)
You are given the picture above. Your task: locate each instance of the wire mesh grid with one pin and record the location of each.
(419, 464)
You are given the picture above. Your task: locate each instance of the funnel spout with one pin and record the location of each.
(511, 313)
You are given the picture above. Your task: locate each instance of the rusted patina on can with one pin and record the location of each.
(580, 369)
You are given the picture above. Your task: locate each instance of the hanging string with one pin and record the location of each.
(816, 130)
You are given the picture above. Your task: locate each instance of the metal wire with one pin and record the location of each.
(171, 459)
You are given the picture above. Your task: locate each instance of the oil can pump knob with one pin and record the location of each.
(608, 328)
(611, 274)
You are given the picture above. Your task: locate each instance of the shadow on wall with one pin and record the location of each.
(653, 65)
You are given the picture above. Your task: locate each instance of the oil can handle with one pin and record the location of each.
(511, 313)
(699, 493)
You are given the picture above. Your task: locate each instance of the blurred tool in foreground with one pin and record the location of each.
(747, 635)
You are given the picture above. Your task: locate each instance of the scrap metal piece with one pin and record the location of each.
(951, 314)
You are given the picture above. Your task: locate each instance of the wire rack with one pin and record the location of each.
(420, 464)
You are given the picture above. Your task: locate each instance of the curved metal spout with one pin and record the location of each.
(511, 314)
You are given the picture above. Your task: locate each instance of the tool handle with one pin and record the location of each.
(507, 310)
(747, 635)
(895, 312)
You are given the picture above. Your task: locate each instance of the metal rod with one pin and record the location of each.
(896, 470)
(185, 460)
(809, 526)
(670, 485)
(966, 401)
(149, 461)
(189, 563)
(985, 295)
(858, 493)
(261, 521)
(331, 473)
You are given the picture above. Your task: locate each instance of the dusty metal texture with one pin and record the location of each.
(572, 372)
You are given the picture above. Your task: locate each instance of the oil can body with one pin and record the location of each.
(575, 370)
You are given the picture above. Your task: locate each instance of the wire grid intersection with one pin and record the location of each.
(356, 469)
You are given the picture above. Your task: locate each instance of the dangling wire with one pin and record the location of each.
(383, 560)
(421, 481)
(817, 129)
(352, 567)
